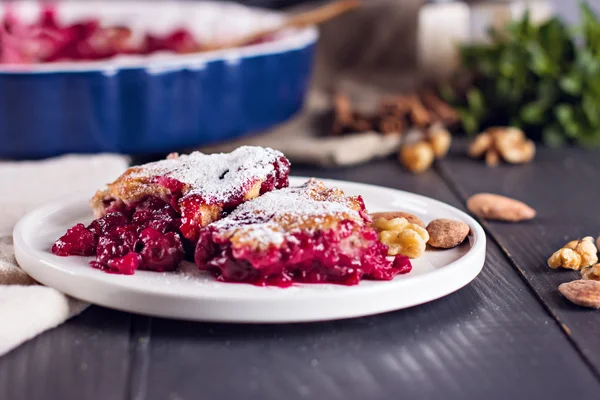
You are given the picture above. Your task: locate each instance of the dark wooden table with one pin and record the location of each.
(507, 335)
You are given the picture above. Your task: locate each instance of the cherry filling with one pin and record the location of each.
(143, 237)
(343, 256)
(192, 205)
(78, 241)
(47, 40)
(153, 233)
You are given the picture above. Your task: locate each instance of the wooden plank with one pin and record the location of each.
(563, 187)
(492, 339)
(85, 358)
(139, 354)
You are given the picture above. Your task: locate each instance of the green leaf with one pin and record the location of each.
(589, 140)
(517, 90)
(503, 88)
(566, 116)
(521, 28)
(475, 102)
(589, 136)
(590, 27)
(448, 93)
(587, 63)
(488, 66)
(564, 113)
(469, 122)
(571, 83)
(553, 136)
(572, 130)
(540, 62)
(533, 113)
(541, 77)
(590, 109)
(515, 123)
(547, 92)
(554, 38)
(507, 66)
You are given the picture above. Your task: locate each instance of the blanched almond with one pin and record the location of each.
(502, 208)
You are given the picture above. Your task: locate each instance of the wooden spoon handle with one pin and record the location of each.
(312, 17)
(321, 14)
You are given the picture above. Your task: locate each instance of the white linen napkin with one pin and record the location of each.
(27, 308)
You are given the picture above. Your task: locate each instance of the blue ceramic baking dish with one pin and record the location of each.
(161, 102)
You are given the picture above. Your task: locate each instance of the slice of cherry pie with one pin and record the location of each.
(306, 234)
(151, 213)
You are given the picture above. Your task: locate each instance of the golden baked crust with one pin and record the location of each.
(268, 220)
(128, 188)
(202, 186)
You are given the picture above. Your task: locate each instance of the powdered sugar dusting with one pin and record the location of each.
(270, 219)
(221, 176)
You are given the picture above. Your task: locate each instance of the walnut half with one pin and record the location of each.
(576, 254)
(402, 237)
(421, 148)
(591, 273)
(507, 143)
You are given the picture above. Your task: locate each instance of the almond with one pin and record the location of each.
(446, 233)
(413, 219)
(502, 208)
(582, 292)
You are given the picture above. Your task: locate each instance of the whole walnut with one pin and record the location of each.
(576, 254)
(417, 157)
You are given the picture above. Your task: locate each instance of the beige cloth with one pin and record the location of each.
(26, 308)
(302, 147)
(299, 140)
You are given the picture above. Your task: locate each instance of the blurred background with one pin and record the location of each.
(379, 70)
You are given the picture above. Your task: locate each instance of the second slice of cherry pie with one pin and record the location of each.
(308, 234)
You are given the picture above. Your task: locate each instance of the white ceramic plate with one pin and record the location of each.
(191, 294)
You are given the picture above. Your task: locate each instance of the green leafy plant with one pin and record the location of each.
(542, 78)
